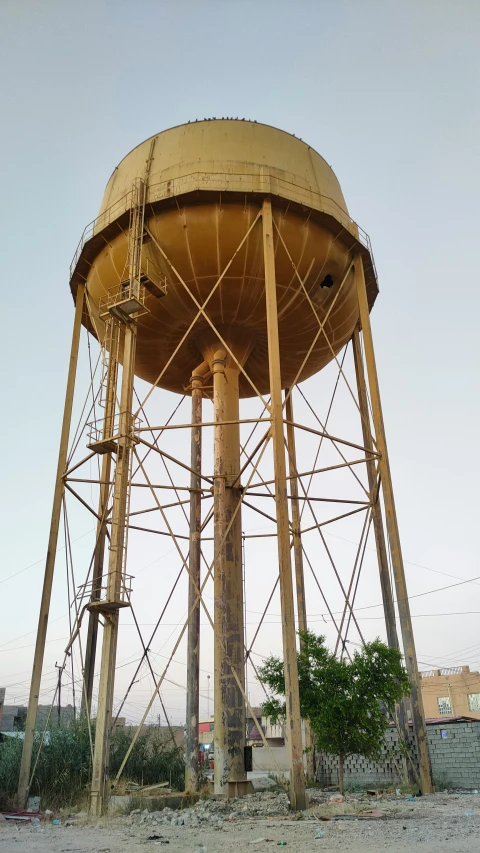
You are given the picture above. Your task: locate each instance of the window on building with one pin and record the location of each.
(474, 701)
(444, 705)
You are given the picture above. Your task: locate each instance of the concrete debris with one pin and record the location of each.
(215, 813)
(437, 823)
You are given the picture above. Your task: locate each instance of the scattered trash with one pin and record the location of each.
(159, 838)
(468, 814)
(345, 817)
(35, 822)
(319, 833)
(33, 804)
(398, 792)
(56, 822)
(410, 799)
(336, 798)
(371, 792)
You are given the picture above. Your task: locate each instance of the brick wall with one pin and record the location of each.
(455, 759)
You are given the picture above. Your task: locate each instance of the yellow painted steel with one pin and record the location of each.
(206, 182)
(225, 155)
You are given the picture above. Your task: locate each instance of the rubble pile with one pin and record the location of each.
(215, 813)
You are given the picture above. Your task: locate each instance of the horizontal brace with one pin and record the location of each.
(95, 482)
(258, 535)
(165, 533)
(173, 488)
(165, 506)
(204, 424)
(308, 498)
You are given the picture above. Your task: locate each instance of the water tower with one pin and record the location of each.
(223, 264)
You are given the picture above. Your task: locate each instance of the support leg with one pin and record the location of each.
(298, 561)
(293, 722)
(193, 642)
(25, 766)
(377, 519)
(99, 791)
(98, 562)
(418, 714)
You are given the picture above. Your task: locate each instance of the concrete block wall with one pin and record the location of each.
(455, 757)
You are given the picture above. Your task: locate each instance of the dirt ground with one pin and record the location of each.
(433, 824)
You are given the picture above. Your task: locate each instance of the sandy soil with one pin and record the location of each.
(434, 824)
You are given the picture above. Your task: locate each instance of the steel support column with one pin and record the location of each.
(418, 714)
(379, 531)
(298, 560)
(377, 519)
(292, 697)
(193, 642)
(113, 328)
(99, 791)
(230, 777)
(25, 766)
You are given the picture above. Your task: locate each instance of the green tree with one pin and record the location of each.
(348, 703)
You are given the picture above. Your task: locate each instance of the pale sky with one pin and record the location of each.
(387, 92)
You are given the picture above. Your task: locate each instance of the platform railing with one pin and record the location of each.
(248, 182)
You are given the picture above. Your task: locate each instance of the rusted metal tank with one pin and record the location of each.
(206, 182)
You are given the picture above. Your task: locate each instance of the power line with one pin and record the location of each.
(42, 559)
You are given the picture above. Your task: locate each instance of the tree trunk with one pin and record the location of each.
(341, 759)
(314, 750)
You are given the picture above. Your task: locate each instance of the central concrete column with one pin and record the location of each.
(230, 777)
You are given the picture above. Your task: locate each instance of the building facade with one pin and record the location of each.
(451, 692)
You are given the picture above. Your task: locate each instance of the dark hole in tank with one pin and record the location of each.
(327, 281)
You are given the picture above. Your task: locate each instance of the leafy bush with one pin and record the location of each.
(347, 703)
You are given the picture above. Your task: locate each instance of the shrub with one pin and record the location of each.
(63, 771)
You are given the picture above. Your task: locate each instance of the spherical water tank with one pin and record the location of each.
(206, 182)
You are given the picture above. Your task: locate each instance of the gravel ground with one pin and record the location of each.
(433, 824)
